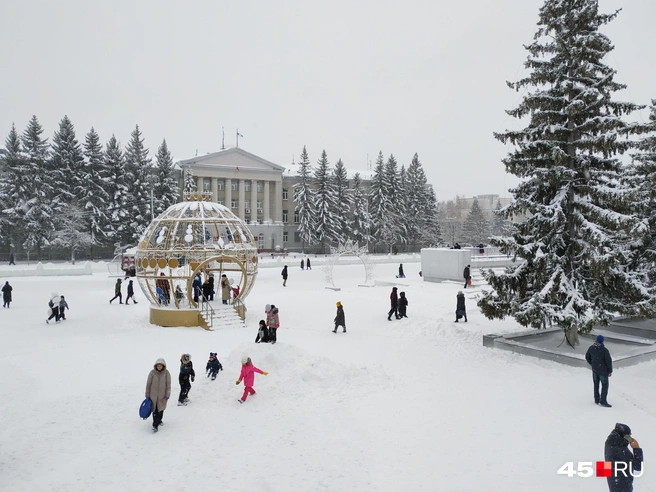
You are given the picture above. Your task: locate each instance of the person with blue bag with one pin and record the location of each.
(158, 390)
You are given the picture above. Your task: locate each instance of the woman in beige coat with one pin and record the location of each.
(225, 289)
(158, 389)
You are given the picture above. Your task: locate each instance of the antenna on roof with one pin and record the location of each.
(293, 160)
(222, 139)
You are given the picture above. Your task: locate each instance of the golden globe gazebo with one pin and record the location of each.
(194, 237)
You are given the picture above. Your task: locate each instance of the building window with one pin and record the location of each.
(259, 203)
(207, 183)
(247, 186)
(285, 214)
(297, 217)
(234, 204)
(285, 237)
(234, 186)
(220, 185)
(285, 194)
(259, 187)
(297, 237)
(220, 202)
(247, 204)
(260, 241)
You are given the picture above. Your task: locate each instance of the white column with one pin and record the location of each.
(199, 184)
(215, 190)
(242, 199)
(254, 200)
(267, 197)
(228, 192)
(277, 200)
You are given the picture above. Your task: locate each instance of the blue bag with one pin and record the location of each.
(146, 409)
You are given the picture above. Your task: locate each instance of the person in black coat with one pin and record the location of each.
(11, 259)
(302, 264)
(213, 366)
(284, 276)
(130, 293)
(401, 274)
(262, 333)
(403, 305)
(599, 359)
(466, 273)
(186, 377)
(6, 294)
(207, 289)
(212, 287)
(308, 265)
(394, 302)
(615, 451)
(461, 310)
(340, 319)
(197, 286)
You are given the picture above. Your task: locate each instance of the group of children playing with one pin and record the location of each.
(158, 385)
(58, 306)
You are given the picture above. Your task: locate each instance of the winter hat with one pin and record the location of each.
(186, 357)
(600, 338)
(245, 360)
(267, 307)
(622, 429)
(338, 304)
(212, 354)
(160, 361)
(61, 297)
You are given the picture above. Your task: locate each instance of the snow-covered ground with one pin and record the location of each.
(417, 404)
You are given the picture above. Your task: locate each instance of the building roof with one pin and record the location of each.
(211, 159)
(292, 172)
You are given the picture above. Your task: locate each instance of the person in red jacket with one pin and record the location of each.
(248, 371)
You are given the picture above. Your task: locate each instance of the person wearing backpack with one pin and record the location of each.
(53, 304)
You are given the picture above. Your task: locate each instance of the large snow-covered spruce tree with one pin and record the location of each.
(379, 206)
(38, 222)
(573, 269)
(361, 222)
(165, 185)
(137, 164)
(343, 202)
(325, 201)
(118, 232)
(92, 195)
(66, 165)
(15, 189)
(304, 199)
(476, 228)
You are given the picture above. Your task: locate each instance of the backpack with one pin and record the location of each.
(51, 304)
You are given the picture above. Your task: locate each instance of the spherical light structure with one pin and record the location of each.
(193, 238)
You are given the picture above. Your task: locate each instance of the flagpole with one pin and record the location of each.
(222, 139)
(237, 136)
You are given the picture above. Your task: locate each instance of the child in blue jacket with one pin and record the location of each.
(213, 366)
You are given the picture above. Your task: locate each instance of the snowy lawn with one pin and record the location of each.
(415, 404)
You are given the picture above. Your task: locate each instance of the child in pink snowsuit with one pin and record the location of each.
(248, 371)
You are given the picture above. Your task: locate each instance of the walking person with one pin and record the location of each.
(284, 276)
(340, 319)
(53, 304)
(601, 363)
(226, 288)
(213, 366)
(197, 286)
(403, 305)
(466, 273)
(158, 389)
(273, 322)
(63, 305)
(117, 292)
(616, 451)
(461, 310)
(130, 294)
(302, 264)
(394, 301)
(11, 258)
(211, 277)
(308, 266)
(401, 274)
(186, 377)
(6, 294)
(207, 289)
(247, 374)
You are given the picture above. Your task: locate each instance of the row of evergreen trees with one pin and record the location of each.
(65, 195)
(476, 228)
(396, 208)
(588, 243)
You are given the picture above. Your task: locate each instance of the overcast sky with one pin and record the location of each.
(349, 76)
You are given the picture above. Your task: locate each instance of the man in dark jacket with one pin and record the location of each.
(117, 292)
(6, 294)
(461, 309)
(466, 273)
(599, 359)
(615, 451)
(403, 305)
(394, 302)
(340, 319)
(130, 294)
